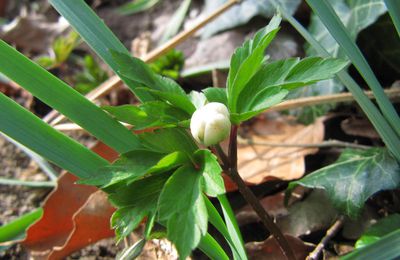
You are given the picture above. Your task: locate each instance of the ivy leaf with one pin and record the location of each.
(149, 114)
(211, 180)
(378, 230)
(354, 177)
(129, 166)
(168, 140)
(216, 95)
(247, 59)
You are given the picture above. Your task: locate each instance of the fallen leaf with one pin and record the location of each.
(269, 249)
(57, 224)
(91, 224)
(359, 127)
(258, 162)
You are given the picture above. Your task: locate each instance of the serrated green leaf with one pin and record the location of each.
(129, 166)
(169, 140)
(247, 59)
(170, 162)
(378, 230)
(211, 180)
(147, 115)
(125, 220)
(355, 177)
(141, 75)
(216, 95)
(180, 192)
(142, 193)
(186, 228)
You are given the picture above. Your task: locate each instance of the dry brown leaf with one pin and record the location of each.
(57, 224)
(259, 163)
(359, 127)
(91, 224)
(269, 249)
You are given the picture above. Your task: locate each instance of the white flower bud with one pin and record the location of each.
(210, 124)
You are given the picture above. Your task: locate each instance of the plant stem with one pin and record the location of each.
(252, 199)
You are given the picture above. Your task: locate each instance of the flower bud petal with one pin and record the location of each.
(210, 124)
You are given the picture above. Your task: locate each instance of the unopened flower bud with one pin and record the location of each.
(210, 124)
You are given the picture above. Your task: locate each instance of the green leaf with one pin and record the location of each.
(180, 192)
(149, 114)
(247, 60)
(355, 177)
(63, 98)
(243, 12)
(142, 193)
(130, 166)
(186, 228)
(136, 6)
(133, 251)
(27, 129)
(125, 220)
(140, 75)
(216, 95)
(170, 162)
(394, 10)
(212, 248)
(16, 228)
(198, 99)
(385, 248)
(168, 140)
(63, 46)
(211, 180)
(378, 230)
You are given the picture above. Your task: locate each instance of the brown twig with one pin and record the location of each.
(115, 81)
(331, 232)
(309, 101)
(252, 199)
(328, 143)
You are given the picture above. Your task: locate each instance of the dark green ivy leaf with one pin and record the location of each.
(357, 175)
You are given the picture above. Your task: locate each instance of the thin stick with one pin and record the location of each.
(328, 143)
(115, 81)
(252, 199)
(300, 102)
(331, 232)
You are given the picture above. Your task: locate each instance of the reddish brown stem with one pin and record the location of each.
(252, 199)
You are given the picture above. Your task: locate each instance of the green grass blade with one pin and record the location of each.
(136, 6)
(21, 125)
(32, 184)
(233, 227)
(211, 248)
(393, 7)
(91, 28)
(339, 32)
(16, 228)
(385, 248)
(176, 21)
(66, 100)
(381, 125)
(217, 221)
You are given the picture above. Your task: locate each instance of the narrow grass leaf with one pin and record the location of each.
(339, 32)
(394, 10)
(176, 21)
(136, 6)
(23, 126)
(66, 100)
